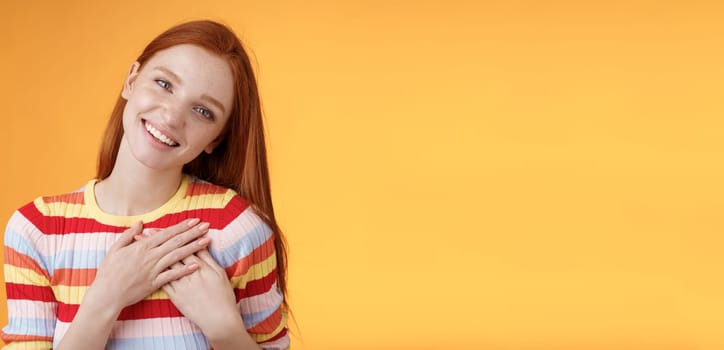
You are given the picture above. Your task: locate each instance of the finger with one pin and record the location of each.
(168, 288)
(209, 260)
(127, 236)
(192, 259)
(146, 232)
(171, 275)
(179, 254)
(176, 266)
(184, 238)
(206, 257)
(180, 239)
(171, 231)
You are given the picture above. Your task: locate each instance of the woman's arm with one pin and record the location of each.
(129, 272)
(31, 303)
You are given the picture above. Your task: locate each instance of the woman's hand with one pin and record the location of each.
(134, 269)
(207, 299)
(130, 271)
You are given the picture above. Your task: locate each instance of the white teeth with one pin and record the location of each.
(158, 135)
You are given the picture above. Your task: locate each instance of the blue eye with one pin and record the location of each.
(164, 84)
(204, 112)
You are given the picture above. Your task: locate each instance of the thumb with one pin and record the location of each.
(127, 236)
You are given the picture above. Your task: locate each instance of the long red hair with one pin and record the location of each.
(239, 161)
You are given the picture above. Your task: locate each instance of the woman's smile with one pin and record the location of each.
(159, 136)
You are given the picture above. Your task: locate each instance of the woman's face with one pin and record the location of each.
(177, 105)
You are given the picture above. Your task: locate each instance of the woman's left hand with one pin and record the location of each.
(206, 297)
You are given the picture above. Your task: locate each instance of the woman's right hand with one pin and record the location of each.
(133, 269)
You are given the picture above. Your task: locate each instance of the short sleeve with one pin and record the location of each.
(31, 302)
(249, 256)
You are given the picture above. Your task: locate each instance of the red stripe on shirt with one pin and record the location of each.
(59, 225)
(143, 309)
(256, 287)
(53, 225)
(19, 291)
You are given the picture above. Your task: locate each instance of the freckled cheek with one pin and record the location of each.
(147, 101)
(203, 135)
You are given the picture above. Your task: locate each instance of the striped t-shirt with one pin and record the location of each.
(54, 245)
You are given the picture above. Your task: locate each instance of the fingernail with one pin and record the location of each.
(193, 266)
(204, 241)
(204, 226)
(138, 237)
(193, 222)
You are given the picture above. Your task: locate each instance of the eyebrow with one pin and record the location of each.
(205, 97)
(214, 101)
(169, 72)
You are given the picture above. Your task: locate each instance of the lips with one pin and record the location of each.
(160, 136)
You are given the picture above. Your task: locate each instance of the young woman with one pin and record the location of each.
(175, 244)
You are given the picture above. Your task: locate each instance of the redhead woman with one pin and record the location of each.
(174, 245)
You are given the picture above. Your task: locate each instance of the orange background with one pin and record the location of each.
(450, 174)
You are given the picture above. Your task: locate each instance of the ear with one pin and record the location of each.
(211, 146)
(130, 80)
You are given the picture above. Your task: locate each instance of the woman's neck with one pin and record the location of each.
(133, 188)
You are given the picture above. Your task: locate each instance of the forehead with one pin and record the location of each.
(200, 71)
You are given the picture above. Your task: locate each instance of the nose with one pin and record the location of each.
(173, 114)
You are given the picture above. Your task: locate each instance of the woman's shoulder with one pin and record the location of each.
(203, 194)
(204, 186)
(45, 208)
(200, 187)
(56, 204)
